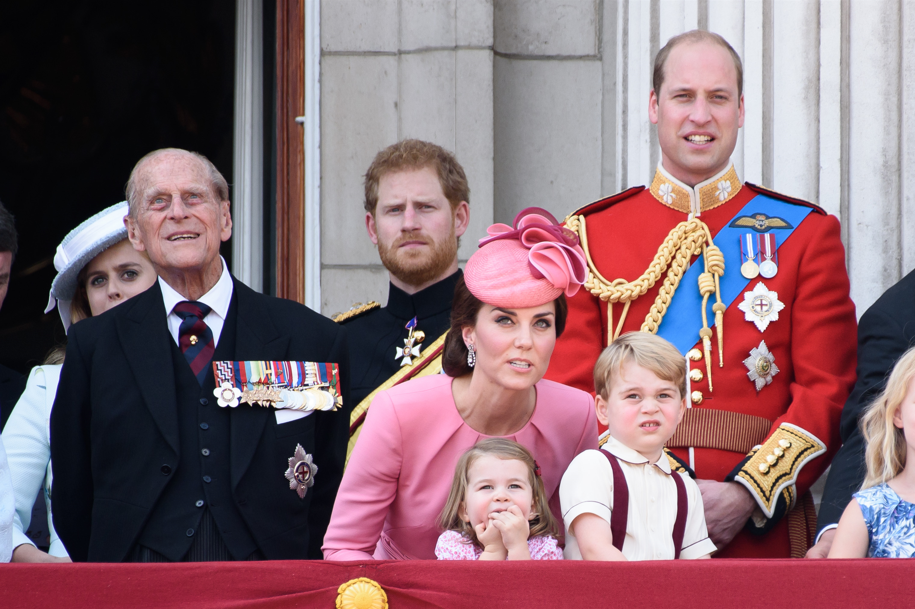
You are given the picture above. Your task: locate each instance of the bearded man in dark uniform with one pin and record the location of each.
(750, 285)
(416, 209)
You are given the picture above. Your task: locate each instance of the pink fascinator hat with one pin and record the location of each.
(528, 264)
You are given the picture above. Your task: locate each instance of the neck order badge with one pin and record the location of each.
(411, 344)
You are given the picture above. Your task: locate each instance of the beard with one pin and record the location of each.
(418, 267)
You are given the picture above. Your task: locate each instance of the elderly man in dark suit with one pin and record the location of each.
(885, 332)
(147, 467)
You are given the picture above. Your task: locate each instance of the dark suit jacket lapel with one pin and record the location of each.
(144, 335)
(256, 338)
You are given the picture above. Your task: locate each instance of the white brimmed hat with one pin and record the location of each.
(81, 245)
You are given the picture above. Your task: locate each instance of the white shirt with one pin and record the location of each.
(7, 508)
(587, 488)
(27, 440)
(218, 299)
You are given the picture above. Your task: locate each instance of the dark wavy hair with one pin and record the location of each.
(464, 310)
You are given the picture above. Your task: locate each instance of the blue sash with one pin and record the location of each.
(683, 320)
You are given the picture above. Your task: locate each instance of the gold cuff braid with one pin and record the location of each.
(772, 469)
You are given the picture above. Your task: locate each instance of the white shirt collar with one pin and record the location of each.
(620, 450)
(218, 299)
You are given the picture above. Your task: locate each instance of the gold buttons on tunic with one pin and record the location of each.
(695, 355)
(696, 397)
(777, 453)
(695, 375)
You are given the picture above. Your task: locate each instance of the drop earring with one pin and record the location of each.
(471, 356)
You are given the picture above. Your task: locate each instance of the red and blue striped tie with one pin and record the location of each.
(195, 337)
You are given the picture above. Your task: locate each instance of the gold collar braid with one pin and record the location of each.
(715, 191)
(686, 240)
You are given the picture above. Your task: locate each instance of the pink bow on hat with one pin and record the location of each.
(554, 255)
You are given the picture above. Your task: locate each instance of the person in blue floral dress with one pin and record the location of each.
(880, 520)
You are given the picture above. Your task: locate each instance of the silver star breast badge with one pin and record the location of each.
(761, 366)
(761, 306)
(301, 472)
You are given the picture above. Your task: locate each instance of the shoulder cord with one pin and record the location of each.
(684, 241)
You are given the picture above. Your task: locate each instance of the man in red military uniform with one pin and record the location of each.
(750, 285)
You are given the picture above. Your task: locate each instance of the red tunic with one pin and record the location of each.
(813, 341)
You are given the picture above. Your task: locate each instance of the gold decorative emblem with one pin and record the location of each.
(760, 223)
(193, 339)
(361, 593)
(301, 472)
(761, 306)
(771, 471)
(761, 365)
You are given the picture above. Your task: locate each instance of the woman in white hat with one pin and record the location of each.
(97, 269)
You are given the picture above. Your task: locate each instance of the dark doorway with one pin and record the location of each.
(86, 89)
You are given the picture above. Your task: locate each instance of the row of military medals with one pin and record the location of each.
(754, 247)
(411, 344)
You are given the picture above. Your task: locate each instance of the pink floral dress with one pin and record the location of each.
(452, 545)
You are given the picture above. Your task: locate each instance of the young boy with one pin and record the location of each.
(640, 381)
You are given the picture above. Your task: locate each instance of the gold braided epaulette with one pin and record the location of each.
(355, 311)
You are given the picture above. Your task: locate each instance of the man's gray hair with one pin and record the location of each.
(218, 183)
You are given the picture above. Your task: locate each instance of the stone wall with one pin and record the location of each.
(545, 103)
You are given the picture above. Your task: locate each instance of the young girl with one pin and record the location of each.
(879, 520)
(497, 509)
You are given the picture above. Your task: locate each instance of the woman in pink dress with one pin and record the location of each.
(507, 313)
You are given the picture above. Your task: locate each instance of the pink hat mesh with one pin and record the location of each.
(528, 265)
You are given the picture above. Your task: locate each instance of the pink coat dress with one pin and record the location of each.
(400, 472)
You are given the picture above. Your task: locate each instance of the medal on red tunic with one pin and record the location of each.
(761, 306)
(761, 366)
(411, 344)
(767, 250)
(748, 253)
